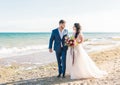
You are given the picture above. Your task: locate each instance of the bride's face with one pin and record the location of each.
(74, 29)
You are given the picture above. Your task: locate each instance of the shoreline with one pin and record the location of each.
(24, 49)
(43, 58)
(108, 60)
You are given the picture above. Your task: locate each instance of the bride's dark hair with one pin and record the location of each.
(78, 29)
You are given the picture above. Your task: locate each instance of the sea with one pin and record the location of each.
(14, 44)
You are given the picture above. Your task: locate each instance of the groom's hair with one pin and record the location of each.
(61, 21)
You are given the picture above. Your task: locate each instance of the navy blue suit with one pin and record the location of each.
(61, 51)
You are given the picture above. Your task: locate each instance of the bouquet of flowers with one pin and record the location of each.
(70, 41)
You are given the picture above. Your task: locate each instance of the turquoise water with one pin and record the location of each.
(29, 42)
(23, 39)
(26, 39)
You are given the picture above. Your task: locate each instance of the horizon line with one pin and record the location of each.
(50, 32)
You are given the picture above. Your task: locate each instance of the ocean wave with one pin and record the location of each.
(14, 50)
(116, 37)
(23, 50)
(97, 39)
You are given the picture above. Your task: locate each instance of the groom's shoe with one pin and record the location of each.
(63, 76)
(59, 76)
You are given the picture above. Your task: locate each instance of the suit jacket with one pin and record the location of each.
(55, 36)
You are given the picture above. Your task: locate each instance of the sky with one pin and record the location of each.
(44, 15)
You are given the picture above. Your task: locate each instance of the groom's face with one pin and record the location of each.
(62, 25)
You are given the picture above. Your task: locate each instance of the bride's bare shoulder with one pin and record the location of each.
(81, 34)
(81, 37)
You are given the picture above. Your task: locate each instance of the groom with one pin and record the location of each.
(58, 36)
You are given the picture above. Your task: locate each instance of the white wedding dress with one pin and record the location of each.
(81, 66)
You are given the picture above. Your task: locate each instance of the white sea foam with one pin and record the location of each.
(97, 44)
(92, 44)
(115, 37)
(7, 52)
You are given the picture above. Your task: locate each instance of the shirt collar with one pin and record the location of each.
(62, 30)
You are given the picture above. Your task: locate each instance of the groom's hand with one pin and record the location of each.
(50, 50)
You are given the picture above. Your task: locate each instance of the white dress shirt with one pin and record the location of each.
(61, 35)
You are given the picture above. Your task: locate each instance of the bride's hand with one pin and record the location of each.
(78, 40)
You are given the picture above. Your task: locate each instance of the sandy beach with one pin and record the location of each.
(32, 74)
(33, 42)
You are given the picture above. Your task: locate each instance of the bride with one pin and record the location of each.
(79, 64)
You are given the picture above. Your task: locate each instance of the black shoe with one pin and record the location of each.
(59, 76)
(63, 76)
